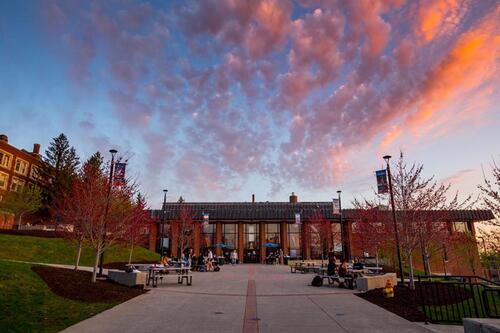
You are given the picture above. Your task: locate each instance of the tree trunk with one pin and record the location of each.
(20, 220)
(410, 266)
(427, 264)
(96, 263)
(376, 257)
(78, 254)
(130, 254)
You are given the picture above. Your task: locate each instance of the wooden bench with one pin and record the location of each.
(340, 280)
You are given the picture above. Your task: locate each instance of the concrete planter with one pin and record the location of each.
(366, 283)
(128, 279)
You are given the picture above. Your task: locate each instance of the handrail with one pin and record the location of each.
(460, 276)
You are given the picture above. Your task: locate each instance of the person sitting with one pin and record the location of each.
(164, 261)
(358, 265)
(332, 267)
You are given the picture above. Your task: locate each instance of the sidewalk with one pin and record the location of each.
(236, 298)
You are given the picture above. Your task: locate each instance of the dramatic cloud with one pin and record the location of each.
(288, 90)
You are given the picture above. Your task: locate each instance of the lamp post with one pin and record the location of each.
(163, 221)
(341, 226)
(110, 184)
(387, 158)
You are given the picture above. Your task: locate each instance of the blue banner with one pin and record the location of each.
(119, 176)
(382, 185)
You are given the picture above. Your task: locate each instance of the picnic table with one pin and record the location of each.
(158, 272)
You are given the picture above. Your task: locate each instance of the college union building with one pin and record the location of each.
(254, 229)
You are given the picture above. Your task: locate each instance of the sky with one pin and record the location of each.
(216, 100)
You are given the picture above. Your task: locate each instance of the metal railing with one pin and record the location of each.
(449, 299)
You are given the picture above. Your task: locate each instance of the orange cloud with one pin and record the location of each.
(473, 63)
(438, 17)
(390, 136)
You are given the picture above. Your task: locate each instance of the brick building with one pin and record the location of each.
(18, 168)
(251, 227)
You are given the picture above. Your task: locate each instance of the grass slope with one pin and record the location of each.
(28, 305)
(62, 251)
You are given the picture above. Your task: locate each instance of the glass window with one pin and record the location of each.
(316, 249)
(16, 185)
(4, 178)
(336, 238)
(21, 166)
(208, 236)
(5, 159)
(251, 236)
(294, 240)
(273, 233)
(35, 172)
(460, 226)
(230, 235)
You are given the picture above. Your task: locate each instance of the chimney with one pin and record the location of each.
(253, 198)
(293, 198)
(36, 149)
(4, 138)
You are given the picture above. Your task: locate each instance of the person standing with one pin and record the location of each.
(234, 257)
(210, 261)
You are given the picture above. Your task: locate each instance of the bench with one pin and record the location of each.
(340, 280)
(155, 273)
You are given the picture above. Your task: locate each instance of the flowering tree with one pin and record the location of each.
(422, 204)
(182, 228)
(103, 215)
(319, 229)
(139, 223)
(372, 229)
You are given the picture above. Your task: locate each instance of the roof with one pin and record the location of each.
(255, 211)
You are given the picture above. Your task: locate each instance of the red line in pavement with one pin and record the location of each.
(250, 322)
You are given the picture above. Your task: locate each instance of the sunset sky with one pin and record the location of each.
(216, 100)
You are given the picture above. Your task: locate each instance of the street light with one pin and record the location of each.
(387, 158)
(110, 184)
(163, 221)
(341, 227)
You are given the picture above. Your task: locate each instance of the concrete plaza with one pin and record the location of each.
(247, 298)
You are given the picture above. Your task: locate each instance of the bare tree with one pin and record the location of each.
(182, 228)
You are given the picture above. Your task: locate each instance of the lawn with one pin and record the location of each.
(62, 251)
(28, 305)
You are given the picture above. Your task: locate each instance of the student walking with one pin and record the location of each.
(234, 257)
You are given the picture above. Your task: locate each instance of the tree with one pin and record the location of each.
(319, 231)
(94, 166)
(141, 221)
(422, 206)
(372, 229)
(182, 228)
(103, 216)
(490, 191)
(61, 167)
(20, 203)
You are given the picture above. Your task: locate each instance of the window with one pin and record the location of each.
(4, 179)
(230, 235)
(273, 233)
(208, 236)
(251, 236)
(460, 226)
(294, 240)
(337, 237)
(21, 166)
(5, 159)
(35, 172)
(17, 184)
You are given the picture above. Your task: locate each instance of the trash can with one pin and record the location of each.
(285, 260)
(221, 261)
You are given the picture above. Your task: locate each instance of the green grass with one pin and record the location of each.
(467, 308)
(28, 305)
(62, 251)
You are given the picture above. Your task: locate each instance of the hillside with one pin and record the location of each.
(62, 251)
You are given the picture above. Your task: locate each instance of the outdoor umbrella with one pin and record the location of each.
(273, 245)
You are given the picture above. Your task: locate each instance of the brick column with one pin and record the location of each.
(347, 238)
(285, 245)
(240, 241)
(218, 238)
(262, 240)
(197, 239)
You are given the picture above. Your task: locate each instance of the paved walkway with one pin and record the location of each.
(246, 298)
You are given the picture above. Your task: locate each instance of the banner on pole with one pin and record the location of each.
(336, 207)
(382, 185)
(297, 218)
(119, 176)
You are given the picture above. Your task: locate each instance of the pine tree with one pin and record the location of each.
(62, 164)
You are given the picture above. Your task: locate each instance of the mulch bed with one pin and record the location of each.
(406, 302)
(77, 285)
(121, 265)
